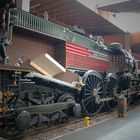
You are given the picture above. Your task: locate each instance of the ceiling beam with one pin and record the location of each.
(112, 3)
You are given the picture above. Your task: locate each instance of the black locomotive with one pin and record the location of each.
(29, 99)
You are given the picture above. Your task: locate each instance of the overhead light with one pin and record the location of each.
(35, 6)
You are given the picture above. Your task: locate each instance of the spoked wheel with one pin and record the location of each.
(10, 131)
(66, 98)
(63, 114)
(111, 90)
(93, 91)
(9, 128)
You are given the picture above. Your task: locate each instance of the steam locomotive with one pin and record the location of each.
(96, 74)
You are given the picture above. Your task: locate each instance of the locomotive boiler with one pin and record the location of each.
(95, 74)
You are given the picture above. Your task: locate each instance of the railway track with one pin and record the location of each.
(47, 133)
(50, 132)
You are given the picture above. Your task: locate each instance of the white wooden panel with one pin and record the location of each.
(45, 64)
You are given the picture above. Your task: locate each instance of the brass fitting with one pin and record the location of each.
(4, 109)
(9, 94)
(86, 121)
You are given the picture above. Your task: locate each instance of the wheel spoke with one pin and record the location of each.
(89, 91)
(87, 94)
(101, 92)
(91, 106)
(92, 80)
(84, 100)
(90, 84)
(93, 83)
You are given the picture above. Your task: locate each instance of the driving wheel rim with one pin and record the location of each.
(111, 90)
(93, 91)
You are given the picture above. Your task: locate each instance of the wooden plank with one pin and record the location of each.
(45, 64)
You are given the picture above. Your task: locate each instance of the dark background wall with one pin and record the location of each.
(28, 47)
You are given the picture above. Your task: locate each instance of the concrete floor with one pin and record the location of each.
(127, 128)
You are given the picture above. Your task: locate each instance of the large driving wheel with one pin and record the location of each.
(111, 90)
(93, 91)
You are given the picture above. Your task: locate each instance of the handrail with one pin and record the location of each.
(31, 22)
(28, 21)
